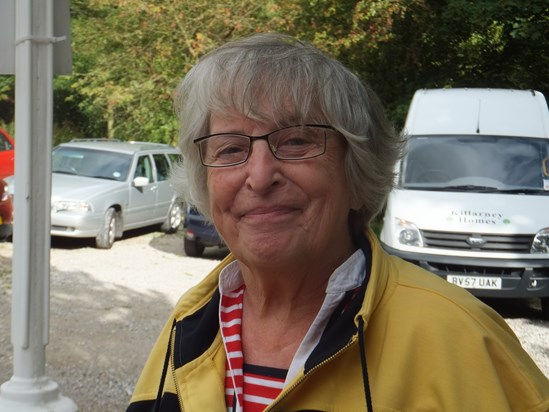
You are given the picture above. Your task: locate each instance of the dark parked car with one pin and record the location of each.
(198, 233)
(6, 211)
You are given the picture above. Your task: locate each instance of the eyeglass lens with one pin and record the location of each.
(291, 143)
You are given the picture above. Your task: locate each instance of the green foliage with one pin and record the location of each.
(376, 225)
(132, 53)
(7, 102)
(129, 55)
(458, 43)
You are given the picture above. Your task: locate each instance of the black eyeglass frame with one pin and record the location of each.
(262, 137)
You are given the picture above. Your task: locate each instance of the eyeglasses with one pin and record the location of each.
(288, 143)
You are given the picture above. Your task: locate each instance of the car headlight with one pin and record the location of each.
(70, 206)
(541, 242)
(408, 234)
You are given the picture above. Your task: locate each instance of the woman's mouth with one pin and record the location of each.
(268, 214)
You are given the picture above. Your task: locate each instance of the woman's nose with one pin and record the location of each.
(263, 167)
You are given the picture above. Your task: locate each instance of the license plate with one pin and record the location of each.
(475, 282)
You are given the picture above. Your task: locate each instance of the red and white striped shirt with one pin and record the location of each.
(256, 386)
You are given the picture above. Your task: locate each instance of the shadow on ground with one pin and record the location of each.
(168, 243)
(518, 308)
(100, 336)
(59, 242)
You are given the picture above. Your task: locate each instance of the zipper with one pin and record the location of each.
(172, 347)
(306, 376)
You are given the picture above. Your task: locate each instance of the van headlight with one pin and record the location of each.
(541, 242)
(70, 206)
(408, 234)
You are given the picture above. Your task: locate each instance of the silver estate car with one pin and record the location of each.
(101, 188)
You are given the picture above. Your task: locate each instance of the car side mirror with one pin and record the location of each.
(141, 181)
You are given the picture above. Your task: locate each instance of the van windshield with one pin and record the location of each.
(476, 163)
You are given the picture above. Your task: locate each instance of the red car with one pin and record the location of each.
(6, 211)
(7, 154)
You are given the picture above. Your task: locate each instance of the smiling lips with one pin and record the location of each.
(267, 213)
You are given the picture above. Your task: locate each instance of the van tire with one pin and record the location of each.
(193, 248)
(107, 233)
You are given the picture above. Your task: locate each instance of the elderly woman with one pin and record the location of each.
(291, 157)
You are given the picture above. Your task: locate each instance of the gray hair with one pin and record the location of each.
(300, 84)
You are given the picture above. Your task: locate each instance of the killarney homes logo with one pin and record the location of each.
(477, 217)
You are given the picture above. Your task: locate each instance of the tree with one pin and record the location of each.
(461, 43)
(401, 46)
(129, 55)
(7, 103)
(132, 53)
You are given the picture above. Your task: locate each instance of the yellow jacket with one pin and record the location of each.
(430, 346)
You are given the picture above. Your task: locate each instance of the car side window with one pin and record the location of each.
(162, 167)
(174, 158)
(4, 143)
(144, 168)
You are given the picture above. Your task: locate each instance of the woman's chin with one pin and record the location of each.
(265, 248)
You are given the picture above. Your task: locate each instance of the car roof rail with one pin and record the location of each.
(94, 139)
(147, 143)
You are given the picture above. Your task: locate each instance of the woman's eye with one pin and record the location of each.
(229, 149)
(295, 141)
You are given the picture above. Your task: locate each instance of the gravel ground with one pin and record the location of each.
(108, 306)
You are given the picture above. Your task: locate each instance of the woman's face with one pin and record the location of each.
(275, 212)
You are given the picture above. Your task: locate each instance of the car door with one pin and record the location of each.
(165, 192)
(142, 199)
(7, 154)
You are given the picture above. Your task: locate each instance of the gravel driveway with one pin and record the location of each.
(108, 306)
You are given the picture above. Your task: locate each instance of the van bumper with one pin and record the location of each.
(520, 278)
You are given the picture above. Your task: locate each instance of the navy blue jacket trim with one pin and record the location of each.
(196, 333)
(169, 402)
(339, 332)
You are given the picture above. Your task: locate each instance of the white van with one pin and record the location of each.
(472, 198)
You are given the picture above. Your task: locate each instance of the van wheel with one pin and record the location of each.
(173, 220)
(107, 234)
(545, 308)
(193, 248)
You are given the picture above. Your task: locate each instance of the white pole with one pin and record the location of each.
(29, 389)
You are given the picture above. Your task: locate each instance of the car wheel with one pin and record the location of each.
(173, 221)
(193, 248)
(107, 233)
(545, 308)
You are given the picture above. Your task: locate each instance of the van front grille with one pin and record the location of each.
(478, 241)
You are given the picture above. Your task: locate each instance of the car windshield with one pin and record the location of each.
(476, 163)
(91, 163)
